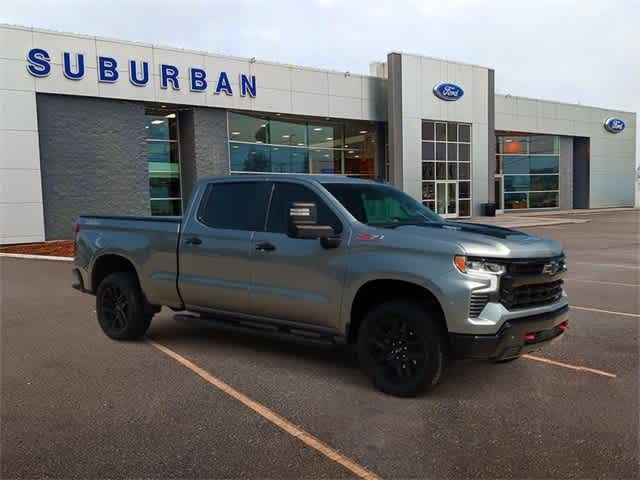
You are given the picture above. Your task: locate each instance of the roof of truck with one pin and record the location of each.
(282, 176)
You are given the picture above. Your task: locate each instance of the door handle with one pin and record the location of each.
(265, 247)
(193, 241)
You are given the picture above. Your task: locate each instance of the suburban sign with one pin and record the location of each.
(614, 125)
(448, 92)
(109, 70)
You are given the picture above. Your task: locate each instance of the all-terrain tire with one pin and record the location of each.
(401, 348)
(123, 312)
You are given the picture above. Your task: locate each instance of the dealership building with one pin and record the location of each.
(101, 126)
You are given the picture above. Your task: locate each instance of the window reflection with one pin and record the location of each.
(276, 144)
(161, 131)
(530, 165)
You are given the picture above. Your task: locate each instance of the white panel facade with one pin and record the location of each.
(21, 216)
(612, 155)
(419, 76)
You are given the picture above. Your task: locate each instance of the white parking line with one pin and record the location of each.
(597, 310)
(569, 366)
(270, 415)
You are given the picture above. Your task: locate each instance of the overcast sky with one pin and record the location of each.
(584, 51)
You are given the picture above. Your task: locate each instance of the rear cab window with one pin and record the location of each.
(235, 205)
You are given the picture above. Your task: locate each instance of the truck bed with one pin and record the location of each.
(150, 243)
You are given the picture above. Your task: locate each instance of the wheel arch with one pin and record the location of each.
(109, 263)
(376, 291)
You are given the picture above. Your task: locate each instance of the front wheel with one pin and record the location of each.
(400, 347)
(121, 307)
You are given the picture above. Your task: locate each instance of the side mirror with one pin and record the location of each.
(302, 222)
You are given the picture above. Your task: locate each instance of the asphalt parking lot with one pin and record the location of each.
(75, 404)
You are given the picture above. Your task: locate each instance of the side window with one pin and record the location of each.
(235, 206)
(284, 194)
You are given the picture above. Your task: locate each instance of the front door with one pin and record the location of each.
(447, 198)
(216, 245)
(297, 279)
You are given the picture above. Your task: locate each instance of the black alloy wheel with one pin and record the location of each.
(123, 312)
(398, 350)
(401, 347)
(115, 306)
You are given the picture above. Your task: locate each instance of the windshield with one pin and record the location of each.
(381, 205)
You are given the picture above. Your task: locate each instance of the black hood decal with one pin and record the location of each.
(479, 228)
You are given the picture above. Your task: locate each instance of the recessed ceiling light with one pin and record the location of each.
(146, 126)
(263, 125)
(258, 141)
(317, 129)
(156, 122)
(301, 144)
(234, 146)
(326, 155)
(235, 133)
(508, 140)
(276, 148)
(357, 156)
(163, 106)
(346, 146)
(286, 136)
(171, 115)
(363, 131)
(329, 138)
(350, 151)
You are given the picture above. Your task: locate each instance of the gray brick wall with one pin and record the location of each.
(203, 145)
(93, 159)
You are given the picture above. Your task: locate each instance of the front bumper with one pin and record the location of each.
(516, 337)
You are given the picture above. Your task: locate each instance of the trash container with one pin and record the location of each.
(488, 209)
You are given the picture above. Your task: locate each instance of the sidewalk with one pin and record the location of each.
(542, 219)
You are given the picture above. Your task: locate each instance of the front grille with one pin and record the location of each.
(531, 295)
(477, 303)
(531, 266)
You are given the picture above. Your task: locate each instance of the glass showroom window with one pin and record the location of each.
(446, 168)
(530, 168)
(273, 143)
(161, 128)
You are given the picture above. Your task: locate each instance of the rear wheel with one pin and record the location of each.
(121, 307)
(401, 348)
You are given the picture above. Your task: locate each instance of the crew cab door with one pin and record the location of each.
(297, 279)
(216, 245)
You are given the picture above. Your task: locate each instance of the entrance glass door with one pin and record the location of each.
(447, 199)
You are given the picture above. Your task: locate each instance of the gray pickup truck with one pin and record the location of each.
(330, 259)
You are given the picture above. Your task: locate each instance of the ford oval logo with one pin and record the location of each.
(448, 92)
(614, 125)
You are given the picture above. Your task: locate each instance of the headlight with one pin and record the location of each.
(476, 265)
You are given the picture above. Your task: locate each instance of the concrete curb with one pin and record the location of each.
(35, 257)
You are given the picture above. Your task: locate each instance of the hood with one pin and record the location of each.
(481, 240)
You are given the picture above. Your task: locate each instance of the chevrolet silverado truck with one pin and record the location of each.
(330, 259)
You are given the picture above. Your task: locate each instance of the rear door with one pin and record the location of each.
(216, 245)
(297, 279)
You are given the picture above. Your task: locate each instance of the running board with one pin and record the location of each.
(272, 329)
